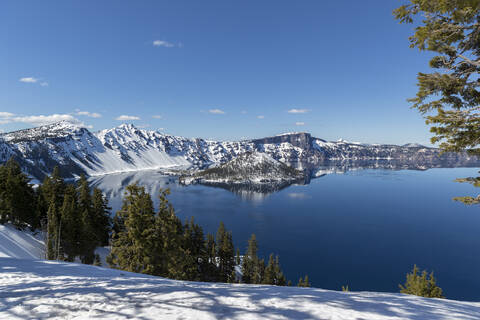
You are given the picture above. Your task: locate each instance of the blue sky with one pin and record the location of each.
(214, 69)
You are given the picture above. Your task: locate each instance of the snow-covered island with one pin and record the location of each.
(31, 288)
(250, 170)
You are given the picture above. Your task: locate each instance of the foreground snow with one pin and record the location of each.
(39, 289)
(55, 290)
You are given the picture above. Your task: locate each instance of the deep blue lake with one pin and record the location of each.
(362, 228)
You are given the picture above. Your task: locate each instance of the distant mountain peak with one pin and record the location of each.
(53, 130)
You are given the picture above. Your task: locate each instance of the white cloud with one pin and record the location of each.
(162, 43)
(89, 114)
(243, 112)
(298, 110)
(38, 120)
(216, 111)
(6, 114)
(28, 80)
(299, 123)
(157, 116)
(126, 118)
(260, 117)
(33, 80)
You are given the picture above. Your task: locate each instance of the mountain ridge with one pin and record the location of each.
(76, 150)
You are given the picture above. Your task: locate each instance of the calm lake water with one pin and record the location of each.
(362, 228)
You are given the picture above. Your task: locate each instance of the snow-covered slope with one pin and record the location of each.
(76, 150)
(250, 168)
(38, 289)
(19, 244)
(35, 289)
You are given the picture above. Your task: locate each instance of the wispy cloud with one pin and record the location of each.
(28, 80)
(298, 110)
(163, 43)
(124, 117)
(299, 123)
(157, 116)
(216, 111)
(41, 82)
(89, 114)
(38, 120)
(260, 117)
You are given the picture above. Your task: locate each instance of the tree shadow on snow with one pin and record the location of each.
(46, 289)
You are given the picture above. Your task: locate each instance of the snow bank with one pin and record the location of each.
(19, 244)
(57, 290)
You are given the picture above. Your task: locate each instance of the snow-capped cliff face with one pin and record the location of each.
(76, 150)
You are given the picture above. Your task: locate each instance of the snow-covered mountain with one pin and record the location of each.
(76, 150)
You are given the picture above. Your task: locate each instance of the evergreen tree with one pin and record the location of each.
(449, 97)
(70, 229)
(132, 248)
(169, 230)
(300, 282)
(280, 279)
(210, 265)
(101, 217)
(54, 188)
(238, 261)
(421, 285)
(269, 277)
(225, 254)
(303, 282)
(250, 262)
(89, 238)
(52, 229)
(17, 197)
(193, 250)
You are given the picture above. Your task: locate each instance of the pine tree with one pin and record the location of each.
(89, 238)
(194, 250)
(448, 97)
(169, 231)
(210, 265)
(17, 197)
(270, 274)
(133, 247)
(4, 211)
(280, 279)
(250, 262)
(306, 282)
(303, 282)
(52, 236)
(101, 217)
(423, 285)
(300, 282)
(71, 226)
(225, 254)
(238, 261)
